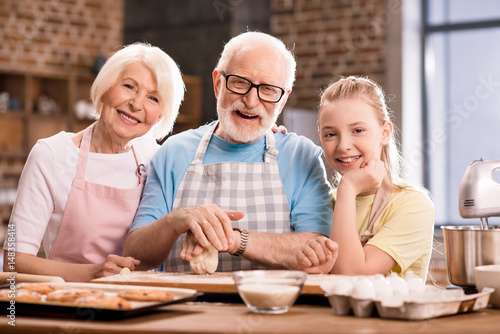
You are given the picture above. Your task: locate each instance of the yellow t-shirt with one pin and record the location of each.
(404, 229)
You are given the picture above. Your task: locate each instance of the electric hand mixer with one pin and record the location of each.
(479, 193)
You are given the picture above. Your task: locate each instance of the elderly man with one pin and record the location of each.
(253, 194)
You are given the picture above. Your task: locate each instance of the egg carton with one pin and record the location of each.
(433, 304)
(425, 303)
(412, 307)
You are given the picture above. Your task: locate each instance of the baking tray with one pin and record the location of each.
(219, 282)
(7, 277)
(58, 309)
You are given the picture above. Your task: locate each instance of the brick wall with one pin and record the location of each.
(58, 35)
(331, 39)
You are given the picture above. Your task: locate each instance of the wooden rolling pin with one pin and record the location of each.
(5, 278)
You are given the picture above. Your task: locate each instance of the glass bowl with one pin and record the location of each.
(269, 291)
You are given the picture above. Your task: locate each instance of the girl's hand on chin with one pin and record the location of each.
(367, 178)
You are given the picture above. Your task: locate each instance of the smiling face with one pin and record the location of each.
(132, 105)
(351, 134)
(246, 118)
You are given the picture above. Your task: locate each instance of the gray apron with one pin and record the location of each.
(254, 188)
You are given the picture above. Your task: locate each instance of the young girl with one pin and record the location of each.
(380, 224)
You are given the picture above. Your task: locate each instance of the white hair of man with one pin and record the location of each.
(168, 78)
(249, 38)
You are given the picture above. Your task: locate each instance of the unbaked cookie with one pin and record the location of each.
(5, 294)
(104, 302)
(20, 295)
(42, 288)
(146, 295)
(27, 296)
(70, 295)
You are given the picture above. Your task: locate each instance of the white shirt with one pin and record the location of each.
(46, 180)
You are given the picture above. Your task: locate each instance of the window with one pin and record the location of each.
(461, 95)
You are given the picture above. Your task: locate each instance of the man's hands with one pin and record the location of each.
(204, 226)
(280, 128)
(191, 248)
(318, 255)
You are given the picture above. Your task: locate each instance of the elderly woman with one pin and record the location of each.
(79, 192)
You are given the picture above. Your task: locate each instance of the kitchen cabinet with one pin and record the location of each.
(38, 105)
(190, 112)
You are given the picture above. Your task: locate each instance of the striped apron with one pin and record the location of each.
(254, 188)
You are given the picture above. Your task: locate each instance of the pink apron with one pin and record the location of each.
(97, 217)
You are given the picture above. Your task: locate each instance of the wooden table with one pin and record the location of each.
(200, 317)
(219, 282)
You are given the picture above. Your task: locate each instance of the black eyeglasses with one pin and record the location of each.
(242, 86)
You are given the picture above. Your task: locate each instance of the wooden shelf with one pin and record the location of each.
(11, 135)
(12, 114)
(41, 105)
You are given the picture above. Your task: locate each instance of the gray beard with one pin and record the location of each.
(244, 136)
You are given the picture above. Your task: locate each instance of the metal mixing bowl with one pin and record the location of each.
(467, 247)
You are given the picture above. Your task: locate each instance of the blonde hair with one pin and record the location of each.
(249, 39)
(368, 90)
(168, 78)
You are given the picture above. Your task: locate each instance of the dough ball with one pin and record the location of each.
(206, 262)
(125, 271)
